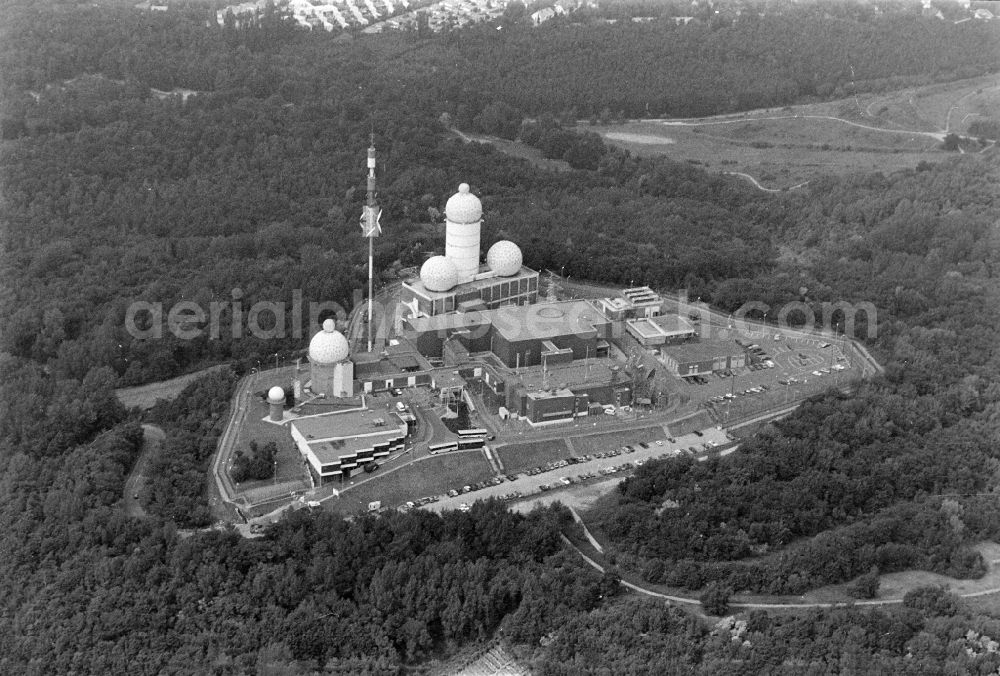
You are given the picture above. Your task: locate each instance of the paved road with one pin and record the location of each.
(153, 436)
(530, 485)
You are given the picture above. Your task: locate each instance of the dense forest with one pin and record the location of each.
(880, 478)
(248, 187)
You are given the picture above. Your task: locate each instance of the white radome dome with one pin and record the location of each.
(463, 207)
(276, 395)
(329, 345)
(438, 274)
(504, 258)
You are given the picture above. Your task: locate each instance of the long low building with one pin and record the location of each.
(699, 358)
(337, 445)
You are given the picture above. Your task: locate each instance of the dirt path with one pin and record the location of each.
(759, 186)
(153, 437)
(684, 123)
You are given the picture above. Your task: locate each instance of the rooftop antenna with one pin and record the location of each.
(371, 228)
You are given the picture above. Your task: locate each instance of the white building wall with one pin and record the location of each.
(462, 247)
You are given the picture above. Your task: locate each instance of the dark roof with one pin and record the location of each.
(702, 351)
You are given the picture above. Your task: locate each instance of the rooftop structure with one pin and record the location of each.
(660, 330)
(645, 299)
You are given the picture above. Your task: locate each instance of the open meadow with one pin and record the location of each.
(781, 148)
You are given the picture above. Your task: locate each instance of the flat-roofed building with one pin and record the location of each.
(400, 365)
(699, 358)
(662, 330)
(560, 393)
(519, 336)
(337, 445)
(480, 294)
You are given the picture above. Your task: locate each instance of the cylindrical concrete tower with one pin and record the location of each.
(464, 220)
(275, 402)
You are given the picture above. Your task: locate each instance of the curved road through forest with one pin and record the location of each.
(153, 437)
(753, 604)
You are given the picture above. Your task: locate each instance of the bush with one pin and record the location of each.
(866, 586)
(932, 601)
(258, 464)
(715, 599)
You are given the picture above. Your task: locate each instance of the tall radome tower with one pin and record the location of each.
(457, 281)
(463, 224)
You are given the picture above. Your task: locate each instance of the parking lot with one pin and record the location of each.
(564, 474)
(782, 368)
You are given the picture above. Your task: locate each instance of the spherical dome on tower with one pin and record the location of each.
(329, 345)
(438, 273)
(504, 258)
(276, 395)
(463, 207)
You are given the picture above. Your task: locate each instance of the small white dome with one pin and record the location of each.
(438, 273)
(463, 207)
(276, 395)
(329, 345)
(504, 258)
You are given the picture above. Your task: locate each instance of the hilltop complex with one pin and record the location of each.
(467, 325)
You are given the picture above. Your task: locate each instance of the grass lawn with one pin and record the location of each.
(255, 429)
(524, 456)
(431, 476)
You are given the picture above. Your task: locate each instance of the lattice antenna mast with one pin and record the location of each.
(371, 228)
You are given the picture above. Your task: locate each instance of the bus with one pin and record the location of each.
(471, 443)
(472, 433)
(443, 447)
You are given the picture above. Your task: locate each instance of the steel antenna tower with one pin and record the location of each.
(371, 228)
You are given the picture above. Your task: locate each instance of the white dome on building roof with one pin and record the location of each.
(438, 274)
(329, 345)
(504, 258)
(463, 207)
(276, 395)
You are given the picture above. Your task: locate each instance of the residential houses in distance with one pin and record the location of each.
(373, 16)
